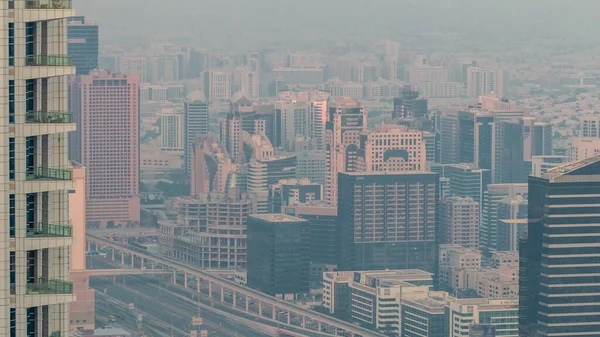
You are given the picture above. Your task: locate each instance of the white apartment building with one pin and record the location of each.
(217, 85)
(439, 89)
(481, 81)
(172, 133)
(35, 291)
(129, 64)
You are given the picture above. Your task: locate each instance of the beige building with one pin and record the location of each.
(82, 311)
(459, 221)
(217, 85)
(35, 290)
(392, 148)
(482, 81)
(348, 120)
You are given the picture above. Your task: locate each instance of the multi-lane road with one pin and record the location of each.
(151, 297)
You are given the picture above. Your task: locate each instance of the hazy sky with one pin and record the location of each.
(235, 21)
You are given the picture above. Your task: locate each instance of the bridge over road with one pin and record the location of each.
(245, 300)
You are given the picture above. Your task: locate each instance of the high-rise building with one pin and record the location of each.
(481, 81)
(457, 132)
(465, 180)
(106, 108)
(507, 154)
(387, 220)
(346, 121)
(247, 81)
(392, 148)
(172, 129)
(409, 105)
(195, 112)
(537, 138)
(217, 85)
(289, 192)
(278, 255)
(210, 231)
(558, 288)
(589, 126)
(163, 68)
(323, 239)
(35, 291)
(459, 222)
(133, 65)
(491, 215)
(311, 165)
(83, 44)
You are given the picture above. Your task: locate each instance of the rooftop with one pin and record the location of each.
(277, 218)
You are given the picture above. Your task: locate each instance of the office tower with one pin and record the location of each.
(195, 112)
(311, 165)
(210, 230)
(512, 224)
(459, 222)
(387, 220)
(441, 89)
(537, 138)
(457, 137)
(35, 249)
(346, 121)
(424, 317)
(478, 330)
(507, 155)
(323, 239)
(482, 317)
(83, 44)
(307, 118)
(217, 85)
(106, 108)
(373, 298)
(172, 129)
(133, 65)
(289, 192)
(278, 255)
(392, 148)
(491, 216)
(162, 93)
(481, 81)
(465, 180)
(541, 164)
(409, 105)
(260, 174)
(82, 311)
(582, 148)
(338, 88)
(558, 259)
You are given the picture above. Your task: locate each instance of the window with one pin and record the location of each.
(11, 44)
(12, 218)
(11, 159)
(30, 95)
(30, 28)
(11, 101)
(30, 144)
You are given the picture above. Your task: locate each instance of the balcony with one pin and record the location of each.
(42, 230)
(48, 4)
(48, 292)
(49, 287)
(48, 60)
(45, 179)
(48, 122)
(47, 173)
(42, 66)
(48, 117)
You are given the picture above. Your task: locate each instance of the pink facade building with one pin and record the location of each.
(106, 109)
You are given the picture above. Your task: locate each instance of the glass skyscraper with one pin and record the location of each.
(559, 271)
(83, 44)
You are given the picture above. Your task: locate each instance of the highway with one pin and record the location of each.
(317, 324)
(153, 298)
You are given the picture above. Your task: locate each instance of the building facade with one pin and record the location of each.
(459, 222)
(387, 220)
(278, 255)
(346, 121)
(36, 240)
(84, 44)
(558, 289)
(106, 109)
